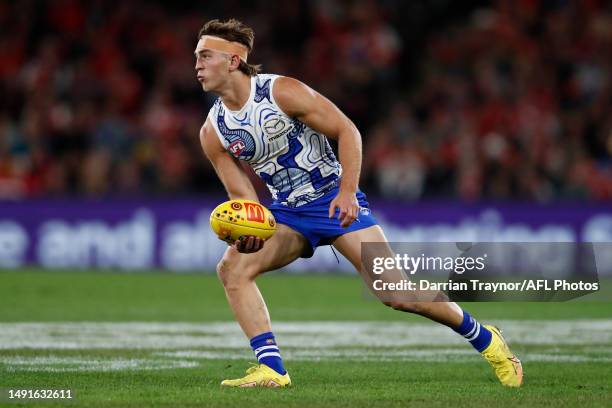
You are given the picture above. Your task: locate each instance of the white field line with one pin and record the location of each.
(189, 359)
(327, 354)
(68, 364)
(180, 345)
(309, 335)
(462, 354)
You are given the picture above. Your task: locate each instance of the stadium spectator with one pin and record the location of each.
(510, 100)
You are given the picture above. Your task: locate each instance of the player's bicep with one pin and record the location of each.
(325, 117)
(309, 107)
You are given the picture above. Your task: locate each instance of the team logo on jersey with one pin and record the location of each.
(237, 147)
(276, 127)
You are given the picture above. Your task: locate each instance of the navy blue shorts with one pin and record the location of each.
(313, 222)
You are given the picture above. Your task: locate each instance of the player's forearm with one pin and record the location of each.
(236, 182)
(349, 152)
(242, 192)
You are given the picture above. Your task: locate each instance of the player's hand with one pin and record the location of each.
(348, 205)
(248, 245)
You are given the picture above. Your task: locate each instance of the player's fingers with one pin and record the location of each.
(250, 241)
(257, 244)
(253, 242)
(351, 216)
(332, 208)
(346, 221)
(238, 245)
(350, 212)
(342, 214)
(355, 212)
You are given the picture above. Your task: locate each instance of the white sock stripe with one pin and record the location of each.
(475, 334)
(262, 348)
(271, 354)
(471, 332)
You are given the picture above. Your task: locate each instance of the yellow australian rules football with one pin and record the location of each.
(236, 218)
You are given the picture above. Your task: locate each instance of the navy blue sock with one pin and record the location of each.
(267, 352)
(478, 335)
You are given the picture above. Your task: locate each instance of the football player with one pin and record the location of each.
(281, 127)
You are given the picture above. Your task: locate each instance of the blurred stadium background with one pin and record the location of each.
(465, 110)
(481, 121)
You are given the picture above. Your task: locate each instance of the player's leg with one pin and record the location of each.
(485, 339)
(349, 245)
(237, 272)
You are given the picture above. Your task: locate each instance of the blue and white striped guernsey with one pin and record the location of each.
(297, 163)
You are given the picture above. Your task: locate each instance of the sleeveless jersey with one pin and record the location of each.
(297, 163)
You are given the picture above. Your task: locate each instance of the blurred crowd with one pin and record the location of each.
(478, 101)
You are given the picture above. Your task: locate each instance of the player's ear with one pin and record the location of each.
(234, 62)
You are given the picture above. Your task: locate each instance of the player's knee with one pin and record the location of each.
(227, 273)
(232, 275)
(406, 306)
(393, 304)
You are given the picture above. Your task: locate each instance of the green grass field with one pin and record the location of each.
(155, 339)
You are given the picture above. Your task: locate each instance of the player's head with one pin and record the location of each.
(222, 50)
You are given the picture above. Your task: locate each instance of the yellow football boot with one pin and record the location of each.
(507, 366)
(260, 375)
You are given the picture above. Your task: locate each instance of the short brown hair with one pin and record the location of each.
(233, 30)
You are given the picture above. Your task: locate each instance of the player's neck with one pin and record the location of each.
(236, 93)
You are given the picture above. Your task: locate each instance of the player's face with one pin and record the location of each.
(212, 67)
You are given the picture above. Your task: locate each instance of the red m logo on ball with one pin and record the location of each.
(254, 212)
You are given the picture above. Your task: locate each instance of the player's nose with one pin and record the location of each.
(199, 71)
